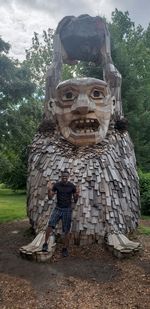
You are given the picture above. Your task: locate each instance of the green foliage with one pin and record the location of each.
(121, 24)
(89, 69)
(68, 71)
(20, 114)
(39, 57)
(145, 192)
(131, 55)
(4, 47)
(12, 205)
(22, 123)
(15, 80)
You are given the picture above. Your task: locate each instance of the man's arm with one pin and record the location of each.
(51, 191)
(76, 194)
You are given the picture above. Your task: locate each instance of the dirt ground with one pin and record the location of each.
(89, 278)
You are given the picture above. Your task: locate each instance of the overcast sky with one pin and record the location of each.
(20, 18)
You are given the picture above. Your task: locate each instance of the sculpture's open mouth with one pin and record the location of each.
(84, 126)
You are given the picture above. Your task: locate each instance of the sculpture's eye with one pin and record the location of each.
(68, 96)
(97, 94)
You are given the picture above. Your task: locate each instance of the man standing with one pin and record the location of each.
(64, 190)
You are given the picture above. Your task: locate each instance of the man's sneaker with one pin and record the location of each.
(45, 247)
(65, 252)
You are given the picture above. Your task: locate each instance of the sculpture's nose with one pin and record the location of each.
(82, 105)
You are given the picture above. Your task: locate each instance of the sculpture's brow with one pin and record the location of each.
(67, 88)
(86, 82)
(75, 87)
(98, 85)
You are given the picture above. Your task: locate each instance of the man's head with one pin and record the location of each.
(64, 176)
(83, 110)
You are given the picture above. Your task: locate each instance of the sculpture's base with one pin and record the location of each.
(118, 244)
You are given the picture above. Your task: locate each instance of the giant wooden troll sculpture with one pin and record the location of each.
(84, 131)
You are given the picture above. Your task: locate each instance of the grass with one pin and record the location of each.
(145, 217)
(144, 227)
(144, 230)
(12, 205)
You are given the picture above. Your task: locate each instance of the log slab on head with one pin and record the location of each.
(84, 31)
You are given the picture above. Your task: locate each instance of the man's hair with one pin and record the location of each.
(65, 172)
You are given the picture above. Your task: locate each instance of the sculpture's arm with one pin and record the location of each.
(110, 73)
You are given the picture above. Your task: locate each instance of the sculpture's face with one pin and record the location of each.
(83, 110)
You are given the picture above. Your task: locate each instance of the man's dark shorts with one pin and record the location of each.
(64, 214)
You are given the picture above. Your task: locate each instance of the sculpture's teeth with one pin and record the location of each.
(84, 131)
(85, 125)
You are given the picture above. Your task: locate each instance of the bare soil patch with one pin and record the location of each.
(89, 278)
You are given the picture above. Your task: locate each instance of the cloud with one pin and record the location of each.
(20, 18)
(18, 25)
(138, 10)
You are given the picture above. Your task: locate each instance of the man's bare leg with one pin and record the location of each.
(49, 231)
(66, 240)
(65, 245)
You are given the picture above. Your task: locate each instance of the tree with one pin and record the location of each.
(4, 46)
(131, 55)
(22, 123)
(39, 57)
(15, 79)
(18, 117)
